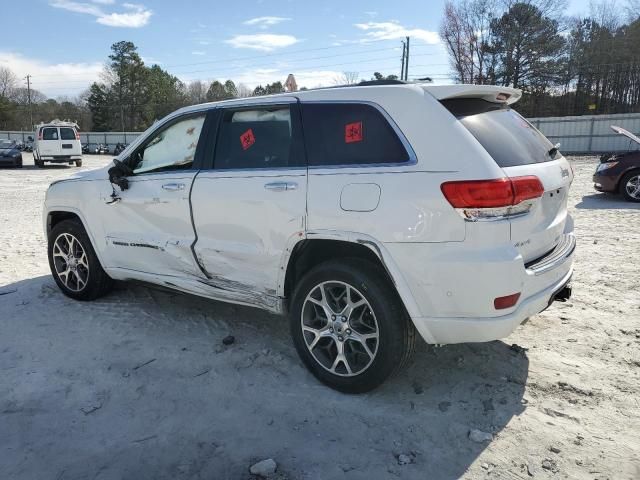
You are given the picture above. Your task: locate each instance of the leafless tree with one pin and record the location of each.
(346, 78)
(8, 82)
(466, 33)
(243, 91)
(197, 92)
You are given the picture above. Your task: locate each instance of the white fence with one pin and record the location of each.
(583, 134)
(86, 138)
(590, 133)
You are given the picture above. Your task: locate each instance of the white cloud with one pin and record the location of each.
(393, 30)
(137, 16)
(53, 79)
(198, 52)
(266, 22)
(262, 41)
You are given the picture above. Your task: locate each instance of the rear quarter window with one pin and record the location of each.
(349, 134)
(67, 134)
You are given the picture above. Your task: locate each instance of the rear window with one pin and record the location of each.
(67, 134)
(507, 136)
(50, 134)
(349, 134)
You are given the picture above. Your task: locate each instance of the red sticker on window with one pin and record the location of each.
(247, 139)
(353, 132)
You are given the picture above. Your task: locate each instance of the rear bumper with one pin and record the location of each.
(60, 158)
(463, 330)
(454, 287)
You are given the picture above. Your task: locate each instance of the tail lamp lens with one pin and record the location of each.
(492, 198)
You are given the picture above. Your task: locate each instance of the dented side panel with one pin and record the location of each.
(150, 228)
(244, 229)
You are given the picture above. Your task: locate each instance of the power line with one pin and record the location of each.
(290, 52)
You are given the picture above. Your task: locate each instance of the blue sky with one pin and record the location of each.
(63, 44)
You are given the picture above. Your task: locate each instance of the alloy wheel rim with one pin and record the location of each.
(70, 262)
(340, 328)
(633, 187)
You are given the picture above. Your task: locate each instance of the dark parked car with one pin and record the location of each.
(620, 172)
(10, 154)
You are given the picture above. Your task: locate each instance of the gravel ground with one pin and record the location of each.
(139, 385)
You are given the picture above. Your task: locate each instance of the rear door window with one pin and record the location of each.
(67, 133)
(263, 137)
(50, 133)
(349, 134)
(507, 136)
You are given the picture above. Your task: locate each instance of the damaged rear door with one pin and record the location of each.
(149, 229)
(250, 204)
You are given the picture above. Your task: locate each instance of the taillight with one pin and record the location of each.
(77, 135)
(40, 135)
(490, 199)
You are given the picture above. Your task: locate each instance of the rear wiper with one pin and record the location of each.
(554, 151)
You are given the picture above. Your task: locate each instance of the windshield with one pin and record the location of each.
(507, 136)
(6, 143)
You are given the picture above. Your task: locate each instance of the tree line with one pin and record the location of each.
(565, 66)
(129, 97)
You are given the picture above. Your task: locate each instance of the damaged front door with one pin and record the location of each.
(148, 227)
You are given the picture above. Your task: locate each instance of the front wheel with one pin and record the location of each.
(349, 326)
(630, 186)
(78, 163)
(74, 264)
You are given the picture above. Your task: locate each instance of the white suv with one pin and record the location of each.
(57, 142)
(366, 213)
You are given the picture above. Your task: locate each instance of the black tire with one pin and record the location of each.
(38, 163)
(97, 282)
(635, 174)
(19, 165)
(397, 335)
(78, 163)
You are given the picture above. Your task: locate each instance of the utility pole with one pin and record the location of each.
(406, 62)
(404, 49)
(29, 99)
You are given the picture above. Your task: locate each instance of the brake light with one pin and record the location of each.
(77, 135)
(40, 135)
(486, 199)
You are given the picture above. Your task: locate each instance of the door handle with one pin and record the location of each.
(281, 186)
(173, 187)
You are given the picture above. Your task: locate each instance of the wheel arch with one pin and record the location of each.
(321, 246)
(55, 215)
(634, 168)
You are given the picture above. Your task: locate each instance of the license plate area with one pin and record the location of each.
(67, 145)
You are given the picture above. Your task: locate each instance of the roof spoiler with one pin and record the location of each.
(489, 93)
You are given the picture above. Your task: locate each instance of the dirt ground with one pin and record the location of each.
(139, 385)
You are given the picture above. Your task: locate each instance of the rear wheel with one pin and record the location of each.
(78, 163)
(630, 186)
(74, 263)
(349, 326)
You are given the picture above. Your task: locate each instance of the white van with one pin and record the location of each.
(57, 143)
